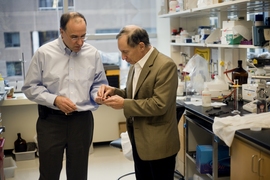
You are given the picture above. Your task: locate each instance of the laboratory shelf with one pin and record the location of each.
(249, 6)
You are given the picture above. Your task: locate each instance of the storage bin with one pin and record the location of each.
(204, 159)
(9, 167)
(22, 156)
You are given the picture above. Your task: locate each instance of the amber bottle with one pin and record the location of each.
(20, 144)
(240, 73)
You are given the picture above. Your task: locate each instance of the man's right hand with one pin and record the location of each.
(105, 91)
(65, 104)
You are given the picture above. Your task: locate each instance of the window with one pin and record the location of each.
(47, 36)
(53, 4)
(14, 68)
(12, 39)
(36, 27)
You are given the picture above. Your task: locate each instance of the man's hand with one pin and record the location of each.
(103, 93)
(65, 104)
(116, 102)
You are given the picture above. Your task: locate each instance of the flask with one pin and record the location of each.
(20, 144)
(2, 84)
(206, 97)
(240, 74)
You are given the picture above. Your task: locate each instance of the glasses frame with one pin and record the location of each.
(75, 39)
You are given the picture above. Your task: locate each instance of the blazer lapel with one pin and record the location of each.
(146, 69)
(129, 81)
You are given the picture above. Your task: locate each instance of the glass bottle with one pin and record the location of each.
(240, 73)
(173, 35)
(20, 144)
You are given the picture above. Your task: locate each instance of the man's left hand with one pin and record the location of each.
(116, 102)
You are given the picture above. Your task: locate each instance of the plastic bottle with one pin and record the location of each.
(240, 74)
(20, 144)
(2, 84)
(206, 97)
(180, 88)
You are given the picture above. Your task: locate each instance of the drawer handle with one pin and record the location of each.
(252, 163)
(259, 166)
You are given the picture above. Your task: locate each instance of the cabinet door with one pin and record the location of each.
(264, 166)
(244, 161)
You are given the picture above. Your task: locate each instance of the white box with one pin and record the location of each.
(190, 4)
(228, 25)
(21, 156)
(249, 91)
(9, 167)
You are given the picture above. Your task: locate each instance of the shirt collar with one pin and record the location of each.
(63, 47)
(142, 61)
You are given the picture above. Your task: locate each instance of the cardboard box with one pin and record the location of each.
(190, 4)
(229, 36)
(228, 25)
(122, 127)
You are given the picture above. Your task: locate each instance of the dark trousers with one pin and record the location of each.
(161, 169)
(55, 133)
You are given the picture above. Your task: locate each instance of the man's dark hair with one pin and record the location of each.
(67, 16)
(135, 36)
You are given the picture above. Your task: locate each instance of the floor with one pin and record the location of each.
(105, 163)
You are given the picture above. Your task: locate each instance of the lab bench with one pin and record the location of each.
(198, 131)
(19, 114)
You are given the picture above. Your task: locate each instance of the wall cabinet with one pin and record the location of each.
(191, 19)
(248, 162)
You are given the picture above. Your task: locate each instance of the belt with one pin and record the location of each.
(130, 120)
(58, 112)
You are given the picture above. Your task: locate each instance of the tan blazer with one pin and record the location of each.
(153, 108)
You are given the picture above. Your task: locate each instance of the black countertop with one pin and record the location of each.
(258, 138)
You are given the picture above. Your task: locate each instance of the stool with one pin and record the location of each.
(117, 144)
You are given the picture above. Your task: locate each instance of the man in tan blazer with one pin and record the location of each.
(149, 105)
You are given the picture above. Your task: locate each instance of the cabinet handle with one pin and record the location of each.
(259, 167)
(252, 163)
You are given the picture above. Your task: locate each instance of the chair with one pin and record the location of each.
(117, 143)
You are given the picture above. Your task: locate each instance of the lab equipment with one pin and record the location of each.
(236, 94)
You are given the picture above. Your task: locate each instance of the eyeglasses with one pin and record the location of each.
(76, 38)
